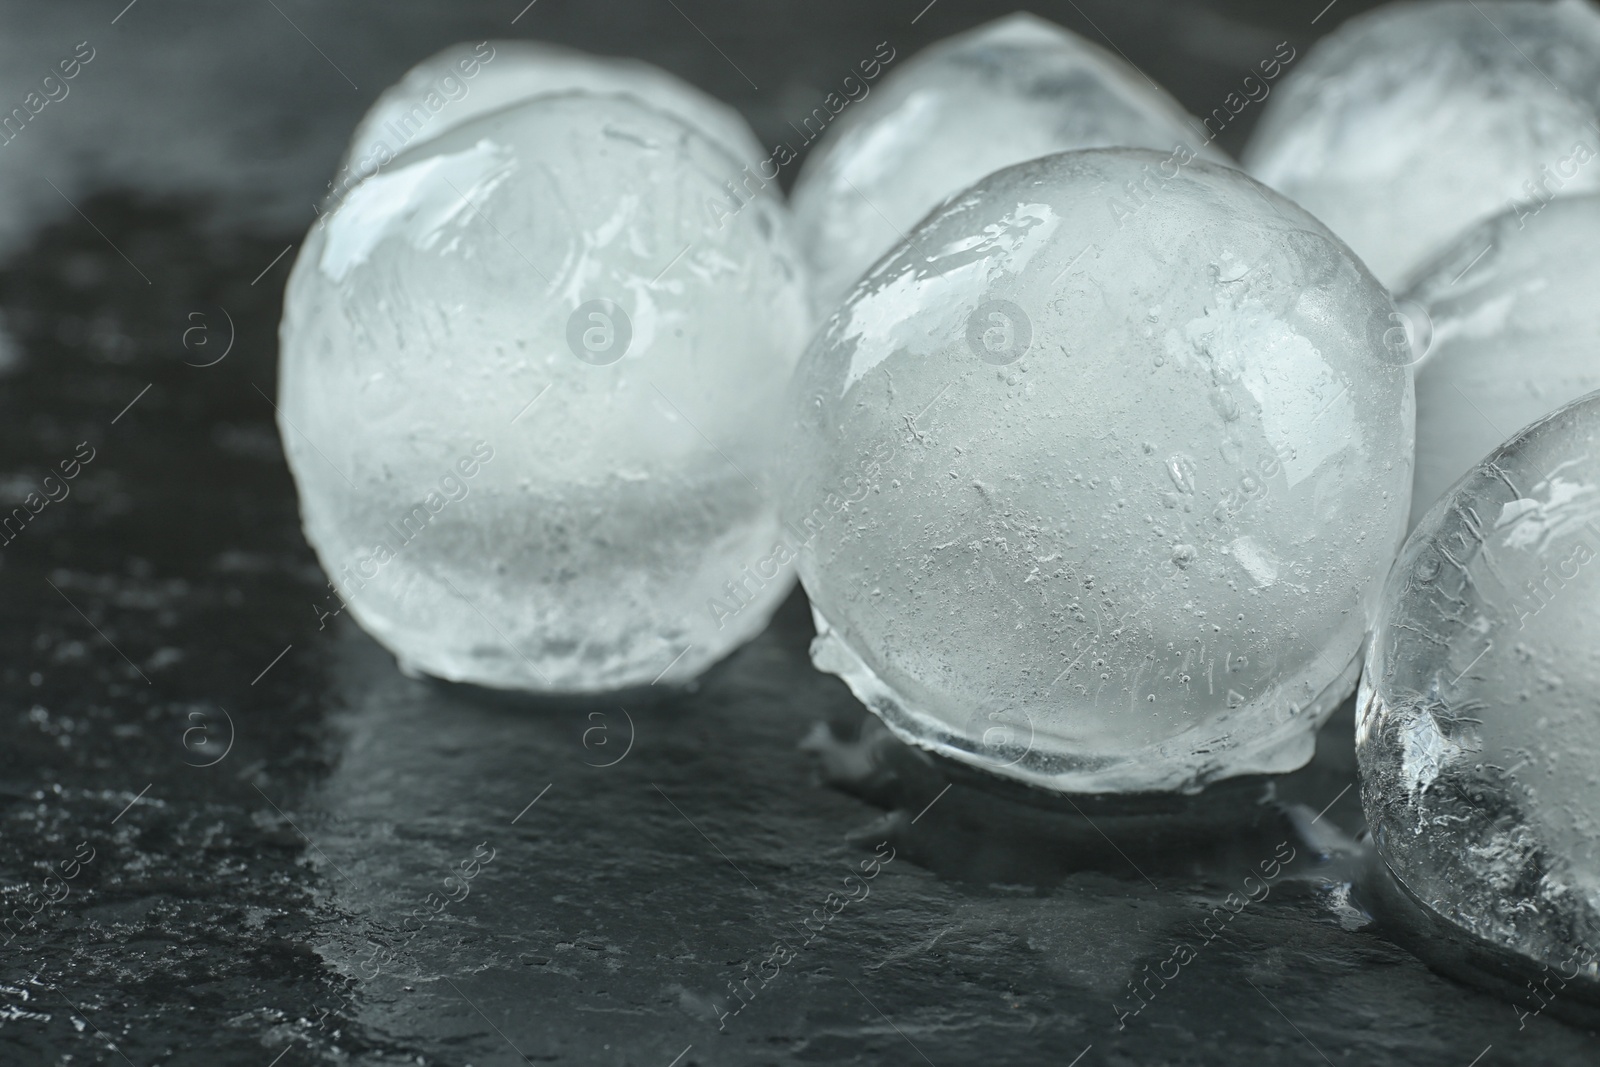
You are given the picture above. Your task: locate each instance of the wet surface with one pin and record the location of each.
(264, 841)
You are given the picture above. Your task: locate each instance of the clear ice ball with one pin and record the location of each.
(1011, 90)
(1509, 319)
(467, 80)
(529, 389)
(1097, 475)
(1478, 731)
(1414, 121)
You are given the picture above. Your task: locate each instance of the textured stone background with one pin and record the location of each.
(267, 799)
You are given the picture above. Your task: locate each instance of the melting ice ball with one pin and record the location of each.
(1098, 474)
(1012, 90)
(467, 80)
(1478, 723)
(1414, 121)
(528, 393)
(1509, 317)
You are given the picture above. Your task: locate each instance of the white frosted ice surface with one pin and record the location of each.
(1478, 728)
(455, 304)
(1513, 310)
(466, 80)
(1097, 490)
(1011, 90)
(1412, 122)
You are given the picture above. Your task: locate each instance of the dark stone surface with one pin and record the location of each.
(269, 802)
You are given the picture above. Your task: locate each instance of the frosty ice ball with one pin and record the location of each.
(1511, 312)
(1011, 90)
(1097, 475)
(529, 390)
(1414, 121)
(1478, 723)
(467, 80)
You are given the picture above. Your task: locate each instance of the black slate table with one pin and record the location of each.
(285, 852)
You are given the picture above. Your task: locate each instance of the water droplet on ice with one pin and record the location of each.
(1180, 468)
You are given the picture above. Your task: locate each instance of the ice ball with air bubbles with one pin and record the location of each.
(1513, 321)
(528, 392)
(1011, 90)
(1478, 728)
(1414, 121)
(1097, 491)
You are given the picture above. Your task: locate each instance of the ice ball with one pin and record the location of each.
(1478, 727)
(1414, 121)
(529, 390)
(1098, 474)
(1509, 320)
(1011, 90)
(467, 80)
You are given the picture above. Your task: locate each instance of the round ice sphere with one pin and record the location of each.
(1478, 723)
(467, 80)
(1512, 311)
(529, 389)
(1414, 121)
(1011, 90)
(1097, 489)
